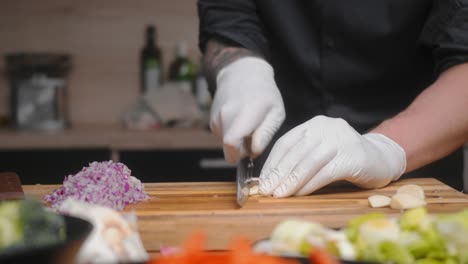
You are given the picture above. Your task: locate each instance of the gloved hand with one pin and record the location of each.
(323, 150)
(247, 102)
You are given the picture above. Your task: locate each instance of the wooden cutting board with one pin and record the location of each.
(175, 210)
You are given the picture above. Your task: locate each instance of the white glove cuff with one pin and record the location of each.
(249, 65)
(394, 153)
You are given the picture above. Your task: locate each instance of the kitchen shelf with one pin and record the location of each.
(111, 137)
(167, 154)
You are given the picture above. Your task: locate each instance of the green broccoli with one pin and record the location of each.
(26, 223)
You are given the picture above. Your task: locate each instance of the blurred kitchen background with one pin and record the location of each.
(96, 80)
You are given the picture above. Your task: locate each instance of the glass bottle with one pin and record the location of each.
(182, 70)
(150, 62)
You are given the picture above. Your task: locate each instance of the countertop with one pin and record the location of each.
(112, 137)
(175, 210)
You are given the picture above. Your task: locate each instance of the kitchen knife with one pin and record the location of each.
(245, 169)
(244, 172)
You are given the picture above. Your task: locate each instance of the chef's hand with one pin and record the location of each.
(323, 150)
(247, 102)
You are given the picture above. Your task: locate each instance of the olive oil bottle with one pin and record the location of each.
(150, 62)
(182, 70)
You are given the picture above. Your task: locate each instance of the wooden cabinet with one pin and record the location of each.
(153, 156)
(178, 165)
(48, 166)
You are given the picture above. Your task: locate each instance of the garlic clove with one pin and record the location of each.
(376, 201)
(406, 201)
(412, 189)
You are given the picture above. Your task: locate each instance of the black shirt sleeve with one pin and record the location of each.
(234, 21)
(446, 33)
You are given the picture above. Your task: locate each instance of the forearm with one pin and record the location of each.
(218, 55)
(436, 123)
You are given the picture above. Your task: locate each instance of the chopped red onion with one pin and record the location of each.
(105, 183)
(168, 251)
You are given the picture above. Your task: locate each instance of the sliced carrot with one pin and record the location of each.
(240, 252)
(321, 256)
(195, 243)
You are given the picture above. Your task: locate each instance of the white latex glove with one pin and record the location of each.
(247, 102)
(323, 150)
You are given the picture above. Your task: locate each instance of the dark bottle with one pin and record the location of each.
(182, 70)
(150, 62)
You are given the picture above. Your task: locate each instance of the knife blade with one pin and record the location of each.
(245, 169)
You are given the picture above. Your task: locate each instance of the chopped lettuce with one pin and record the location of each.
(426, 243)
(395, 253)
(415, 237)
(453, 230)
(306, 248)
(415, 220)
(302, 237)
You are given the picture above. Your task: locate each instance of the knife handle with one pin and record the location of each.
(247, 145)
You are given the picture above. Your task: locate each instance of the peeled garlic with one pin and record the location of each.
(253, 185)
(406, 201)
(406, 196)
(412, 189)
(253, 190)
(379, 201)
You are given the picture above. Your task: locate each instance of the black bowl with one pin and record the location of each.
(77, 230)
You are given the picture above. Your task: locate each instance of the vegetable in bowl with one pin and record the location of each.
(32, 233)
(414, 237)
(26, 224)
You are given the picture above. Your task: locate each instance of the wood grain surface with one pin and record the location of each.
(175, 210)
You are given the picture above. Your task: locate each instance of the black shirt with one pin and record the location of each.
(362, 60)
